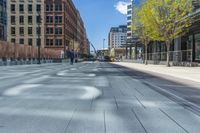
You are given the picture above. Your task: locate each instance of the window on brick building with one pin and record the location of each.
(58, 30)
(58, 7)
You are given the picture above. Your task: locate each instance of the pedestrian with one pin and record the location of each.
(72, 57)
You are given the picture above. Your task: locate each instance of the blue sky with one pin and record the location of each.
(99, 16)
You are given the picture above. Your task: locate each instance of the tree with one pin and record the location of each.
(141, 28)
(166, 20)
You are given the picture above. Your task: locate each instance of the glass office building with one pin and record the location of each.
(3, 19)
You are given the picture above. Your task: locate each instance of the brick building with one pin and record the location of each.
(64, 27)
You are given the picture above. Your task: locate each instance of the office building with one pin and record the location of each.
(25, 22)
(3, 19)
(117, 36)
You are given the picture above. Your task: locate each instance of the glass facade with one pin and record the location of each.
(3, 19)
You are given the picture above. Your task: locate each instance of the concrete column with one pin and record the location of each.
(135, 51)
(126, 52)
(130, 52)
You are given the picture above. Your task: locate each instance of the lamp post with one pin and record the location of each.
(39, 34)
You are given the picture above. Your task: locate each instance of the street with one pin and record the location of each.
(94, 97)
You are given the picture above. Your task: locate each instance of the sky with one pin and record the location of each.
(99, 16)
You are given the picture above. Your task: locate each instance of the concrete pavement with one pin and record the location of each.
(187, 73)
(92, 98)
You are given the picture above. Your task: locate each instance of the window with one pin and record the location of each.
(129, 12)
(13, 40)
(21, 30)
(30, 41)
(49, 42)
(58, 31)
(129, 18)
(58, 42)
(30, 8)
(49, 19)
(13, 30)
(38, 29)
(21, 41)
(38, 19)
(58, 19)
(21, 8)
(49, 30)
(129, 6)
(58, 7)
(49, 8)
(12, 7)
(38, 8)
(21, 19)
(30, 30)
(30, 19)
(12, 19)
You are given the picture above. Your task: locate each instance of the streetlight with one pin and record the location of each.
(39, 32)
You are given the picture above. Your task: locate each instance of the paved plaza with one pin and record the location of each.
(93, 97)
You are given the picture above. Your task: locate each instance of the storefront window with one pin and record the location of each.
(197, 47)
(190, 42)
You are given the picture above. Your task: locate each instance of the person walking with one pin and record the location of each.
(72, 57)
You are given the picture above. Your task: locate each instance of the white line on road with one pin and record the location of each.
(92, 75)
(19, 89)
(91, 93)
(73, 69)
(62, 73)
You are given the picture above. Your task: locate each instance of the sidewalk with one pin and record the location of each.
(187, 73)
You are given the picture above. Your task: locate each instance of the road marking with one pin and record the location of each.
(62, 73)
(73, 69)
(19, 89)
(92, 75)
(91, 93)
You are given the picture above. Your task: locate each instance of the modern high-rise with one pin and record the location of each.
(129, 20)
(25, 22)
(3, 19)
(133, 46)
(117, 36)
